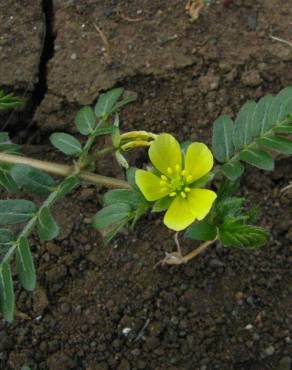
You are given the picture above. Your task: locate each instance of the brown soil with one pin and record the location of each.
(100, 308)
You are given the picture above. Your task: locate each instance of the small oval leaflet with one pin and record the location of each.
(47, 227)
(66, 143)
(85, 120)
(24, 265)
(32, 179)
(16, 211)
(111, 215)
(7, 300)
(257, 158)
(106, 102)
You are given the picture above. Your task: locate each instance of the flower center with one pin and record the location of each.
(176, 182)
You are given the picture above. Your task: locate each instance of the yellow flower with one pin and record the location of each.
(177, 174)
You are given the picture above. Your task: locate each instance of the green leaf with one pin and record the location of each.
(106, 102)
(107, 130)
(67, 186)
(16, 211)
(242, 236)
(243, 133)
(7, 300)
(32, 179)
(125, 101)
(6, 145)
(222, 141)
(162, 204)
(257, 158)
(47, 227)
(134, 199)
(229, 206)
(280, 108)
(284, 128)
(6, 236)
(24, 265)
(6, 180)
(121, 160)
(85, 120)
(9, 101)
(131, 173)
(111, 215)
(280, 144)
(66, 143)
(259, 123)
(233, 170)
(201, 230)
(114, 230)
(24, 367)
(202, 181)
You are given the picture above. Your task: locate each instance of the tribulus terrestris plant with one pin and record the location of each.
(194, 195)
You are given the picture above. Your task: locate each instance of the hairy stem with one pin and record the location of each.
(29, 227)
(64, 171)
(198, 250)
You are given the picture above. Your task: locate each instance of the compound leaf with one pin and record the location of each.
(242, 236)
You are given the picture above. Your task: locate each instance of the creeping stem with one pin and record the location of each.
(29, 227)
(64, 171)
(177, 258)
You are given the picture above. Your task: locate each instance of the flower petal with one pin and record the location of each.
(200, 202)
(179, 215)
(198, 161)
(165, 153)
(150, 186)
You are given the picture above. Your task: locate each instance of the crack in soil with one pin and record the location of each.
(41, 87)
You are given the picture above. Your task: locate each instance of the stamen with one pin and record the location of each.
(189, 178)
(173, 194)
(163, 182)
(187, 189)
(183, 194)
(183, 172)
(177, 167)
(169, 170)
(163, 177)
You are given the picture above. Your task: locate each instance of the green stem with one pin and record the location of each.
(100, 153)
(83, 159)
(29, 227)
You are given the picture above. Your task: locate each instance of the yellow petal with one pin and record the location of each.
(179, 215)
(198, 161)
(149, 184)
(165, 154)
(200, 202)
